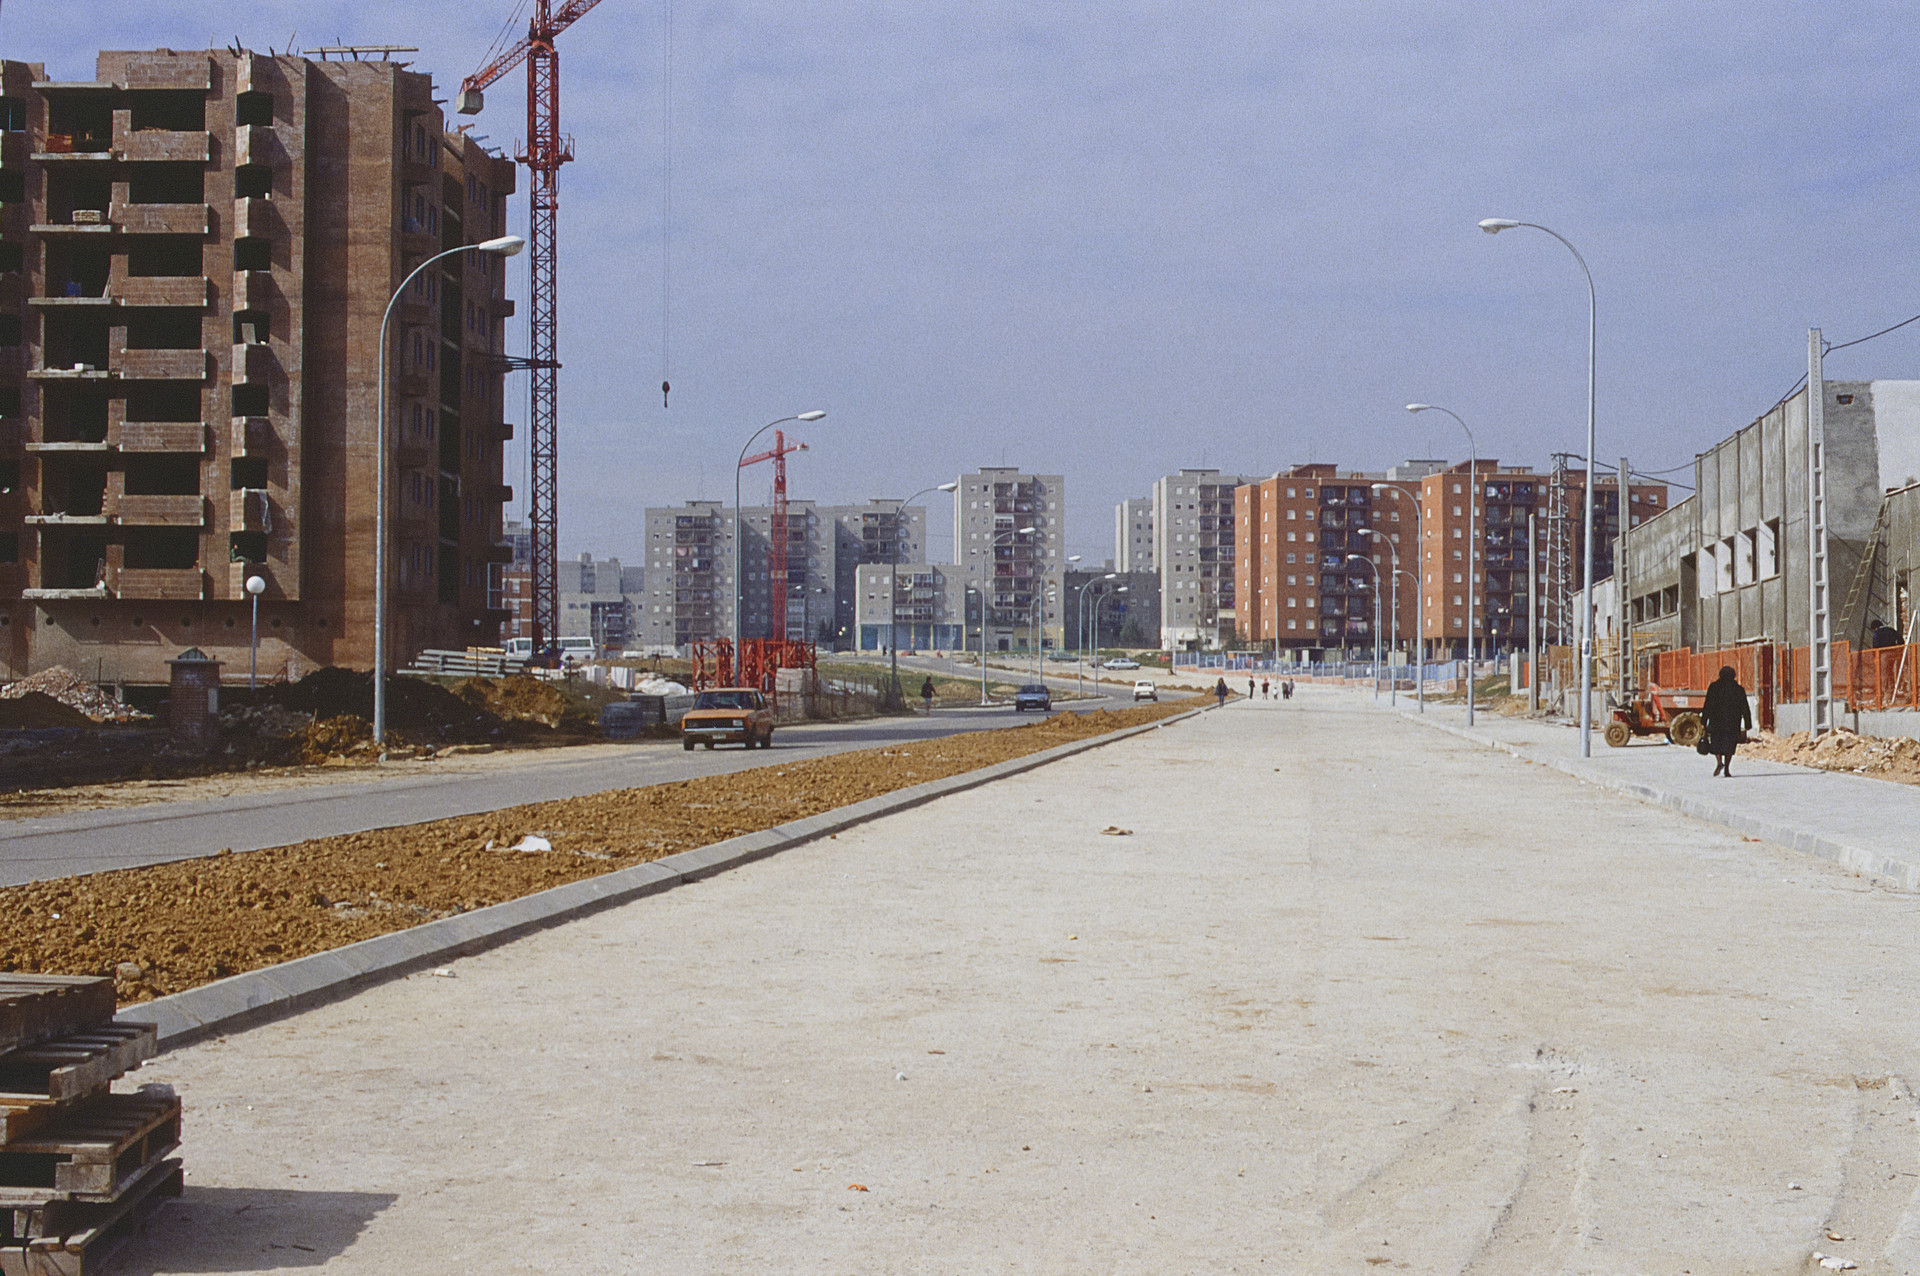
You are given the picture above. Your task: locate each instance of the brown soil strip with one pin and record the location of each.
(170, 927)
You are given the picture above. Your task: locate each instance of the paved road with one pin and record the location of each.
(1352, 996)
(93, 841)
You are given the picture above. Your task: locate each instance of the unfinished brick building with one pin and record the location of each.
(196, 250)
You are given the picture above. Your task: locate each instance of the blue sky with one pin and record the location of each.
(1115, 239)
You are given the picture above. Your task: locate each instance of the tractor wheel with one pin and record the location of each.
(1687, 729)
(1616, 734)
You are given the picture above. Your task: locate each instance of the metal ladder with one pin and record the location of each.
(1866, 579)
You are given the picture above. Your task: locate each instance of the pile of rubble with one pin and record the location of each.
(70, 689)
(1897, 758)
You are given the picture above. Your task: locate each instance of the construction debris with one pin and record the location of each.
(75, 692)
(78, 1163)
(1895, 759)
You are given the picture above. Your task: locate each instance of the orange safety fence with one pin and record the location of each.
(1877, 678)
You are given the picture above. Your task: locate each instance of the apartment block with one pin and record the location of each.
(1315, 547)
(689, 593)
(1009, 539)
(1113, 609)
(1193, 551)
(600, 599)
(1133, 535)
(925, 606)
(196, 253)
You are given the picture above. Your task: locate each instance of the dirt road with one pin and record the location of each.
(1347, 996)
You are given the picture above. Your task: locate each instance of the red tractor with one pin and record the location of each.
(1673, 714)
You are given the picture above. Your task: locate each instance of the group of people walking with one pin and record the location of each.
(1270, 688)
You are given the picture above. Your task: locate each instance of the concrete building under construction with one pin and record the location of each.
(196, 252)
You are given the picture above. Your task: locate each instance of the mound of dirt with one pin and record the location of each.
(418, 712)
(526, 700)
(70, 689)
(37, 709)
(1896, 759)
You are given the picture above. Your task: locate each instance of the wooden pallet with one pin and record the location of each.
(92, 1152)
(74, 1240)
(39, 1082)
(36, 1007)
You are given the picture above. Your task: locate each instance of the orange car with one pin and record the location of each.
(731, 715)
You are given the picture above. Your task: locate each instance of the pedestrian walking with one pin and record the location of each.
(1263, 689)
(1220, 690)
(926, 693)
(1249, 688)
(1727, 716)
(1286, 689)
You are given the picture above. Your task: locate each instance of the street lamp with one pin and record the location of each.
(1375, 569)
(1493, 226)
(1419, 595)
(1393, 686)
(739, 587)
(504, 246)
(894, 698)
(256, 586)
(1080, 624)
(1473, 546)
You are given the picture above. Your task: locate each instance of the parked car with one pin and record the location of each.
(1058, 654)
(1146, 690)
(1032, 696)
(730, 715)
(1121, 662)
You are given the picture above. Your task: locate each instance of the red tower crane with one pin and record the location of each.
(777, 533)
(546, 149)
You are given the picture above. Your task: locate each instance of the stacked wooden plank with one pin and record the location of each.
(77, 1162)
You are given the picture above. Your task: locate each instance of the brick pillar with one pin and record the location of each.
(193, 709)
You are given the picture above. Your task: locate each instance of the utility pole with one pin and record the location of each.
(1819, 604)
(1620, 581)
(1533, 616)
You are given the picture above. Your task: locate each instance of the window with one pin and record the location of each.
(253, 108)
(1766, 550)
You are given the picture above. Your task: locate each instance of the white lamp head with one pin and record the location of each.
(814, 415)
(1073, 558)
(1494, 225)
(256, 586)
(1419, 407)
(505, 246)
(947, 487)
(1025, 531)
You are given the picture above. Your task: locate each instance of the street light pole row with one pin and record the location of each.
(1473, 548)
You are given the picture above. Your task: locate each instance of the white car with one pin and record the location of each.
(1145, 690)
(1121, 662)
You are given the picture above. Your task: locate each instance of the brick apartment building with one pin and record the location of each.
(1304, 592)
(196, 250)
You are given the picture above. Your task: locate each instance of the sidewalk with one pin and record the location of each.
(1870, 826)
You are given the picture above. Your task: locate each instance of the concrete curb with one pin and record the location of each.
(258, 996)
(1904, 874)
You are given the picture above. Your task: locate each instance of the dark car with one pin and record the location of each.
(1032, 696)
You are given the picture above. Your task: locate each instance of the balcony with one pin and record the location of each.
(157, 511)
(252, 289)
(160, 436)
(253, 218)
(166, 583)
(248, 510)
(164, 146)
(60, 148)
(160, 365)
(253, 364)
(66, 446)
(161, 219)
(163, 290)
(257, 144)
(252, 435)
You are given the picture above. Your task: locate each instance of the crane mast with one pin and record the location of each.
(545, 150)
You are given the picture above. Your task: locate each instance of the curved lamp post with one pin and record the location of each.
(1473, 546)
(256, 586)
(739, 585)
(894, 697)
(504, 246)
(1393, 686)
(1493, 226)
(1419, 595)
(1375, 569)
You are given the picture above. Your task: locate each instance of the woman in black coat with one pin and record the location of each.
(1727, 716)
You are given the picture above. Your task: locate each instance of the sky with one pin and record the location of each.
(1112, 240)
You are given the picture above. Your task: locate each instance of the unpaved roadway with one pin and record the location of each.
(1351, 996)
